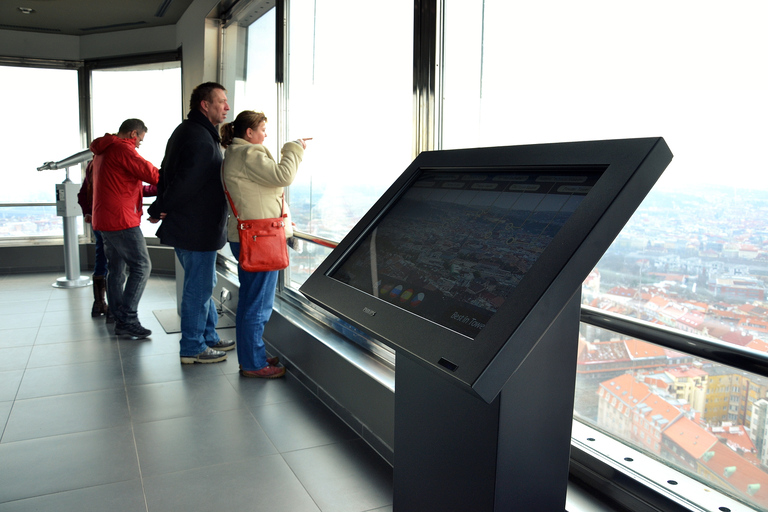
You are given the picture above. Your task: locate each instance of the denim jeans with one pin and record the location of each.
(254, 307)
(100, 260)
(128, 271)
(198, 311)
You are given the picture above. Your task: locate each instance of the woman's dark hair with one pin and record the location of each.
(237, 128)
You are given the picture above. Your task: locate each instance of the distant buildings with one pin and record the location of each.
(642, 410)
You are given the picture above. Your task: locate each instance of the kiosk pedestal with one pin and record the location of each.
(453, 451)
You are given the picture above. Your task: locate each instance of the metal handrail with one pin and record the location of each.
(325, 242)
(708, 348)
(699, 346)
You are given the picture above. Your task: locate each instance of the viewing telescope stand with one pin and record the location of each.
(68, 209)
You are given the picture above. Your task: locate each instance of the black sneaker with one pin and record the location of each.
(135, 331)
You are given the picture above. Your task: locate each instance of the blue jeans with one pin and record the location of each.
(100, 259)
(254, 307)
(198, 311)
(126, 252)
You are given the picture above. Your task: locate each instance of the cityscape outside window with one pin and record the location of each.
(150, 92)
(156, 93)
(354, 96)
(45, 93)
(694, 257)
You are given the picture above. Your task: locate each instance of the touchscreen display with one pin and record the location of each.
(456, 243)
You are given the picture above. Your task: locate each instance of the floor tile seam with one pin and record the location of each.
(16, 395)
(27, 367)
(133, 430)
(44, 366)
(109, 337)
(275, 402)
(62, 434)
(21, 301)
(135, 421)
(83, 392)
(301, 482)
(5, 425)
(321, 445)
(208, 467)
(64, 394)
(54, 493)
(266, 434)
(182, 379)
(72, 363)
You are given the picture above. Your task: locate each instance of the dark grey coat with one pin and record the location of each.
(189, 191)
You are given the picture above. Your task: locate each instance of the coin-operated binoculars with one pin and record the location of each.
(68, 209)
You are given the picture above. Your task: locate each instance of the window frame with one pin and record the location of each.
(84, 69)
(634, 480)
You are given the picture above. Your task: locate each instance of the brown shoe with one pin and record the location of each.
(268, 372)
(271, 361)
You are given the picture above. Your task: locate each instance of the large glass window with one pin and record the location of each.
(693, 257)
(50, 131)
(350, 81)
(258, 89)
(150, 92)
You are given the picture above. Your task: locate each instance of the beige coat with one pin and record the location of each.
(255, 181)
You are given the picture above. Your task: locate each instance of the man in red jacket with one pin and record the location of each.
(118, 173)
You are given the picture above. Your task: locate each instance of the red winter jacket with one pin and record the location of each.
(118, 173)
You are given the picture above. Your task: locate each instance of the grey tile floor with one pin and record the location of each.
(93, 422)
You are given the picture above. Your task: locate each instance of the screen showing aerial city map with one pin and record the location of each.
(455, 245)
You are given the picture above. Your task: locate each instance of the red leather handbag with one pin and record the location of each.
(262, 241)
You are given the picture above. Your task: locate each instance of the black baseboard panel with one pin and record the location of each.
(50, 258)
(360, 401)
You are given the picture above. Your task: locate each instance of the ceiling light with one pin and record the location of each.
(26, 10)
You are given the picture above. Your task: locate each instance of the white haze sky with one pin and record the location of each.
(693, 72)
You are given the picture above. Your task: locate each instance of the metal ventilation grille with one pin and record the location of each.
(115, 26)
(30, 29)
(163, 7)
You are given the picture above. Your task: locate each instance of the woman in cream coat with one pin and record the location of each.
(255, 183)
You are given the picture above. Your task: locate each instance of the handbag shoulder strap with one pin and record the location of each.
(232, 204)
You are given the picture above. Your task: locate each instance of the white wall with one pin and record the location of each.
(198, 39)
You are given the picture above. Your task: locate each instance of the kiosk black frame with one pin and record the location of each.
(483, 422)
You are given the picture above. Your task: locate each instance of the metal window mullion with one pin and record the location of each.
(281, 80)
(425, 65)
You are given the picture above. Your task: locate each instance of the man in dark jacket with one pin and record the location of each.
(193, 209)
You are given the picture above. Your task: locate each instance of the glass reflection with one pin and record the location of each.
(705, 419)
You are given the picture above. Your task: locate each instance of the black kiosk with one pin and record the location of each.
(470, 266)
